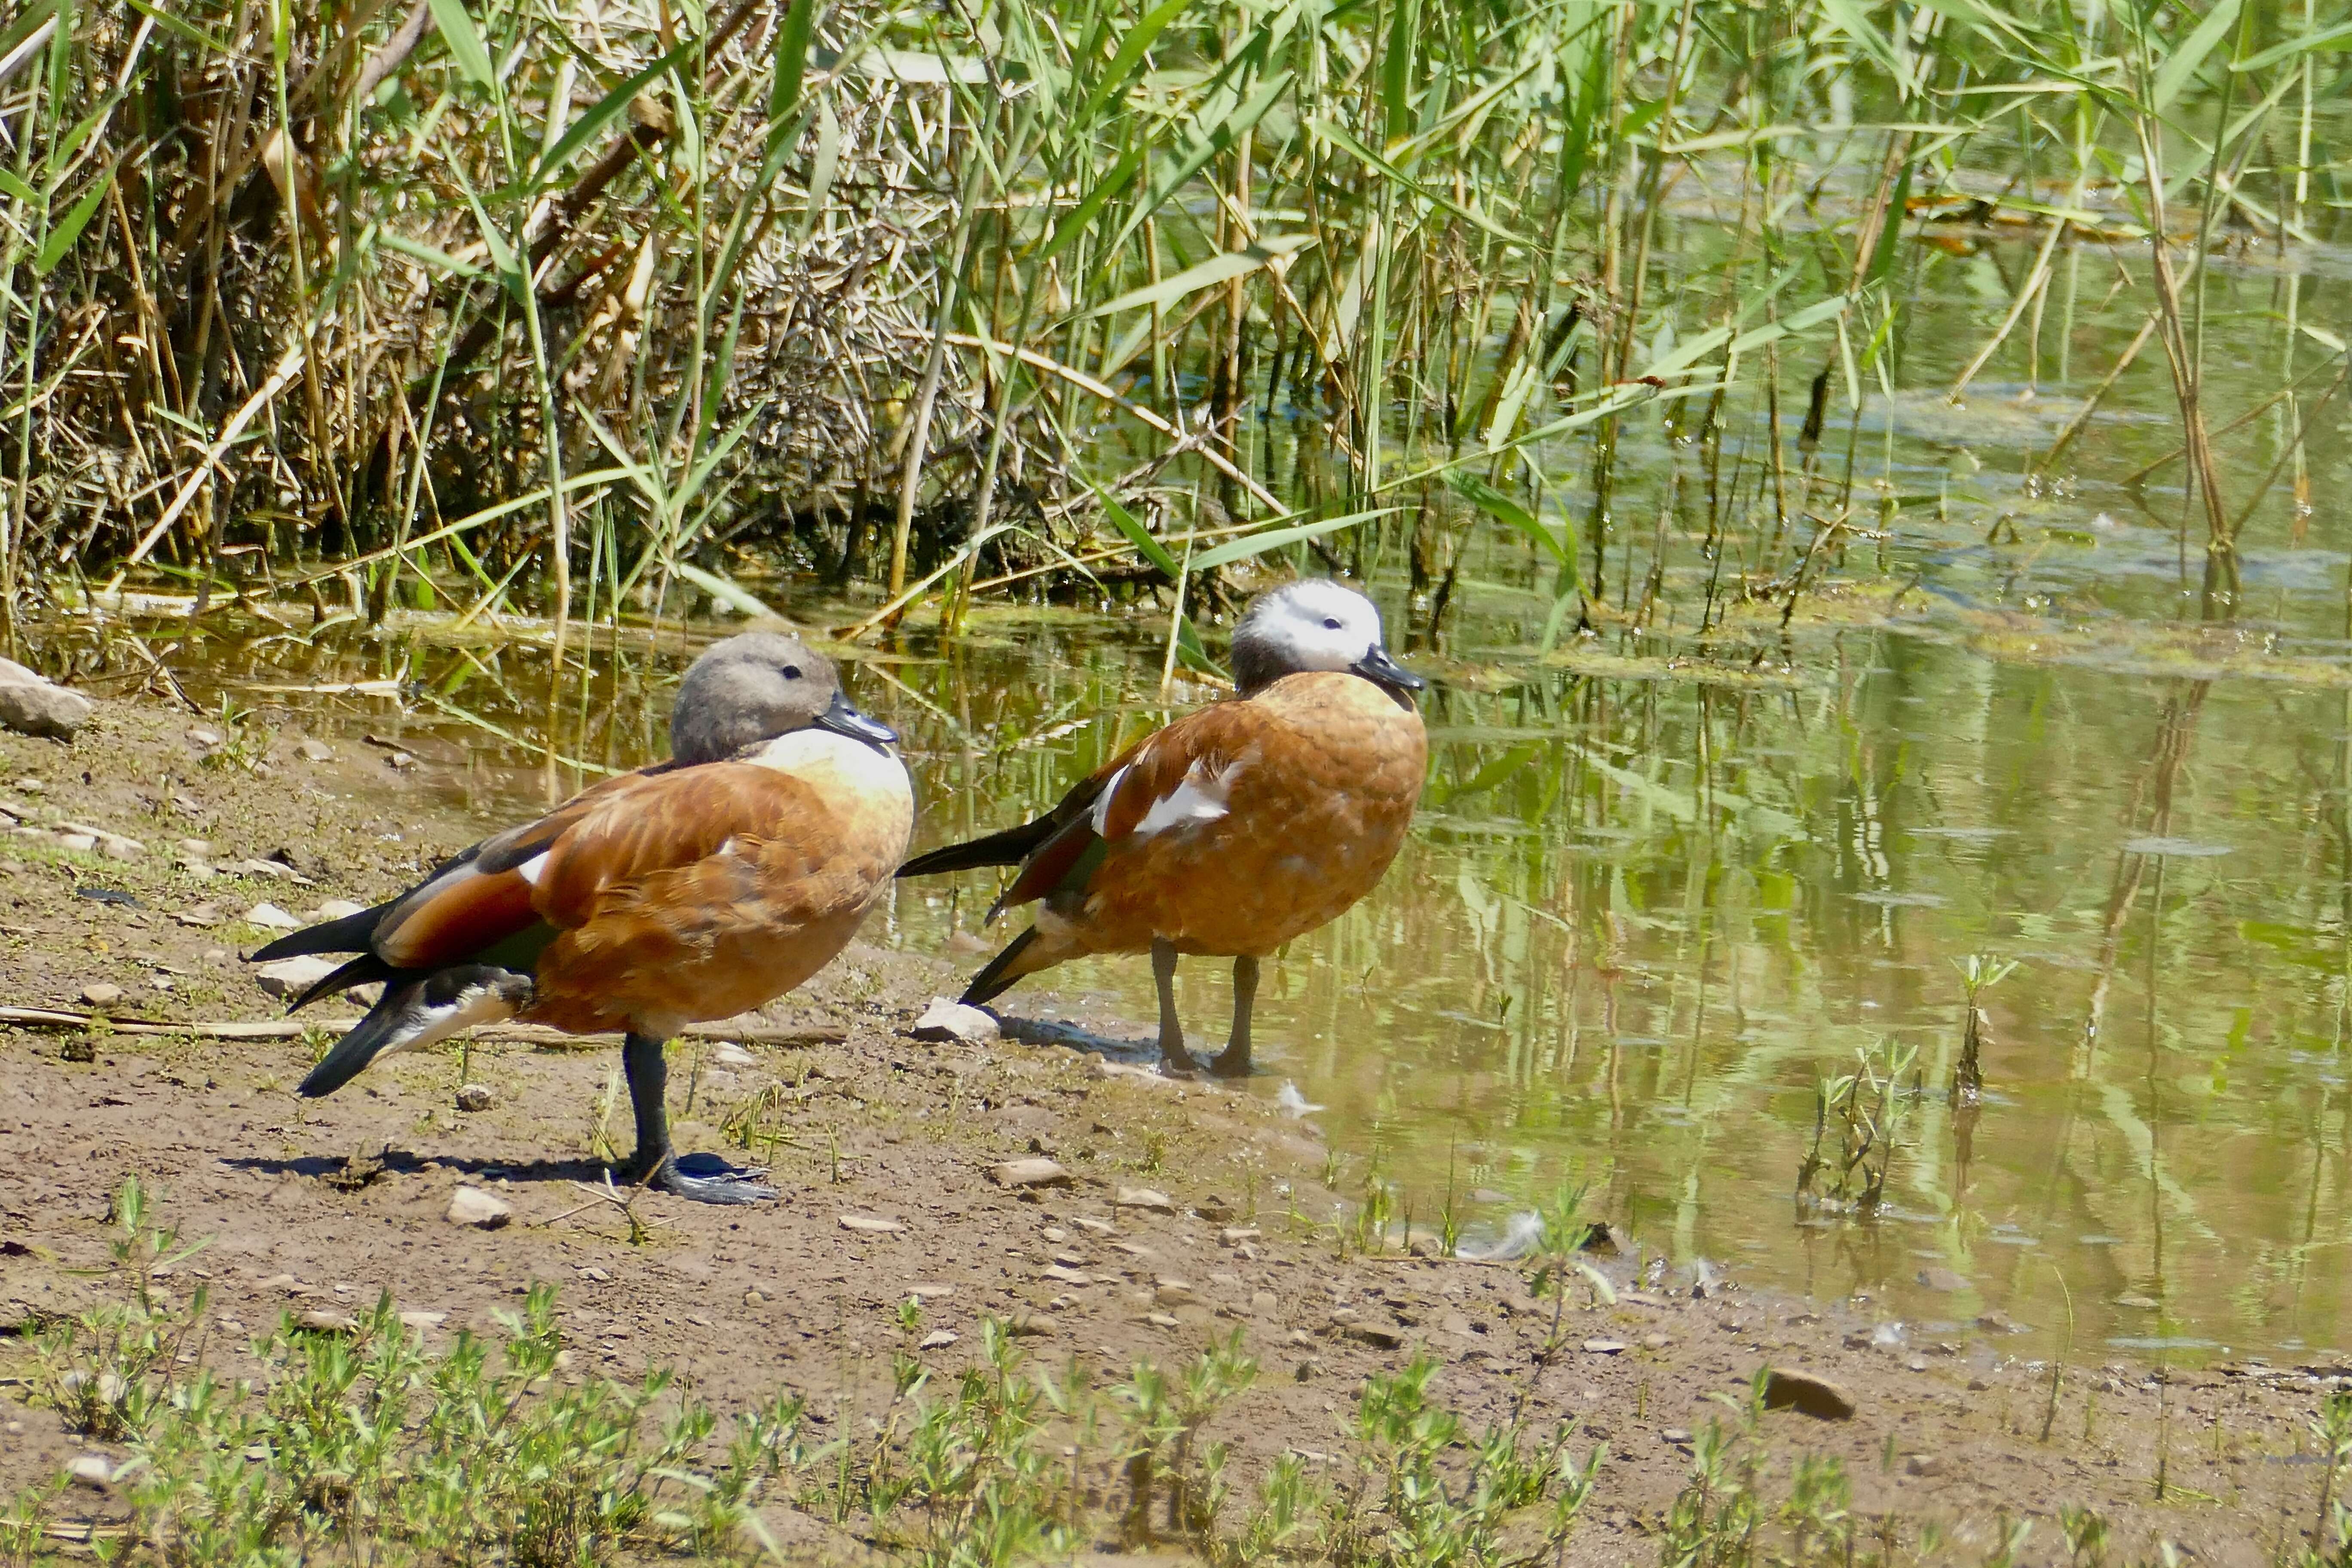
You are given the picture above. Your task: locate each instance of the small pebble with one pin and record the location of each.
(98, 994)
(475, 1097)
(947, 1020)
(1035, 1172)
(471, 1205)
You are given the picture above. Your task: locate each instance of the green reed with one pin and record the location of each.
(565, 313)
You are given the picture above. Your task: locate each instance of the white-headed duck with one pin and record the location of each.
(1235, 829)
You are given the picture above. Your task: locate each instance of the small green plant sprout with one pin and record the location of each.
(1430, 1516)
(1561, 1231)
(2086, 1531)
(2333, 1427)
(244, 740)
(1856, 1118)
(2009, 1540)
(1722, 1518)
(601, 1147)
(106, 1371)
(481, 1455)
(908, 1371)
(1374, 1216)
(624, 1199)
(1979, 973)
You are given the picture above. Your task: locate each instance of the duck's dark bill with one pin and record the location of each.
(843, 720)
(1380, 668)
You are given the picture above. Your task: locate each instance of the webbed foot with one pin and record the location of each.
(706, 1179)
(1231, 1062)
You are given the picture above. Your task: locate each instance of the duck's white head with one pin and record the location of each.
(1315, 624)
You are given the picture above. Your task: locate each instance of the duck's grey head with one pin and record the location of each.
(1315, 624)
(755, 687)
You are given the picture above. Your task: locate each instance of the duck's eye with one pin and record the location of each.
(791, 672)
(1329, 623)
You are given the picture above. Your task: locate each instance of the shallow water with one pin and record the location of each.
(1648, 907)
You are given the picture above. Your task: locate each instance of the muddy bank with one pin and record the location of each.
(1190, 1210)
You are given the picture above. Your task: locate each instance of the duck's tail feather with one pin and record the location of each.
(418, 1013)
(1009, 847)
(1015, 960)
(348, 934)
(360, 971)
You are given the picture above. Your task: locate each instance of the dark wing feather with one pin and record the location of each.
(360, 971)
(1016, 844)
(1009, 847)
(351, 933)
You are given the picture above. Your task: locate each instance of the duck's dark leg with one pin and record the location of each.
(1234, 1061)
(711, 1179)
(1173, 1056)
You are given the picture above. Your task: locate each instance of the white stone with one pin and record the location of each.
(269, 916)
(33, 705)
(1032, 1173)
(471, 1205)
(947, 1019)
(1142, 1198)
(290, 977)
(337, 909)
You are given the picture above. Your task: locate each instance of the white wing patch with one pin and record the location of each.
(1202, 795)
(1101, 817)
(531, 868)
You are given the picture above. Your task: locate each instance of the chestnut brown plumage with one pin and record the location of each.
(696, 888)
(1233, 830)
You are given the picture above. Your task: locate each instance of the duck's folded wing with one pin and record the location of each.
(530, 882)
(1180, 776)
(455, 892)
(717, 812)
